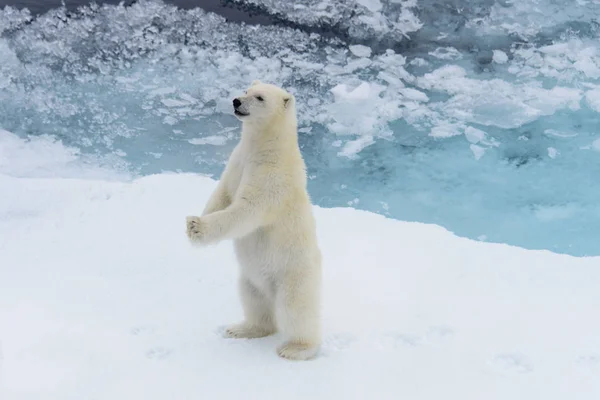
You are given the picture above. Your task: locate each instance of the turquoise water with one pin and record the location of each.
(489, 129)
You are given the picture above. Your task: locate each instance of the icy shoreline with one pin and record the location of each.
(486, 123)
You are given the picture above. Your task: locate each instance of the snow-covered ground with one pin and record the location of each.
(102, 297)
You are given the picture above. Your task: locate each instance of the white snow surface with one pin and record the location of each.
(102, 297)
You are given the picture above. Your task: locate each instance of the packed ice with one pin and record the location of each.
(471, 115)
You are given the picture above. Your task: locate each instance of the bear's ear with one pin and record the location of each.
(256, 82)
(287, 100)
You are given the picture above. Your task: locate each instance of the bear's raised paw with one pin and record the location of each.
(195, 229)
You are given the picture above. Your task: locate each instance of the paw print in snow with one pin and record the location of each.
(511, 363)
(158, 353)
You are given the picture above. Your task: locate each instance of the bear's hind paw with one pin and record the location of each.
(243, 331)
(297, 351)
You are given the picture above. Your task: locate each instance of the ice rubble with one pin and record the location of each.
(55, 61)
(368, 21)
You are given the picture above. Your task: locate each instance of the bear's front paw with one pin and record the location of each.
(196, 231)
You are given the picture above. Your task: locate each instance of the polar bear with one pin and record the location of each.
(261, 202)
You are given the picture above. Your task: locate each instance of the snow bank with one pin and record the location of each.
(44, 156)
(101, 296)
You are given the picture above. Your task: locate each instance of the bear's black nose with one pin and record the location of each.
(236, 103)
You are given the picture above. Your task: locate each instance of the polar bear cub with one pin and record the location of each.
(262, 204)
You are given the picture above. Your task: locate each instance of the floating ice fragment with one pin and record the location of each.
(477, 150)
(596, 145)
(474, 135)
(354, 147)
(446, 53)
(212, 140)
(552, 152)
(170, 120)
(162, 91)
(357, 64)
(592, 98)
(372, 5)
(413, 94)
(188, 98)
(343, 93)
(391, 79)
(360, 110)
(555, 133)
(442, 77)
(126, 79)
(500, 57)
(419, 62)
(360, 50)
(445, 130)
(174, 103)
(489, 102)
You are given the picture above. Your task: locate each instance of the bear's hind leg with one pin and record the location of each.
(298, 315)
(258, 314)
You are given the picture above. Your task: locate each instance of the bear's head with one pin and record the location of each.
(262, 103)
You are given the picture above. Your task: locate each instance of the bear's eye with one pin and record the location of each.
(259, 98)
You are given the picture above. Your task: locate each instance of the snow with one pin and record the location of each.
(103, 297)
(44, 156)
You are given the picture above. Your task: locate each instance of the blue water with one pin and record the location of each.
(482, 117)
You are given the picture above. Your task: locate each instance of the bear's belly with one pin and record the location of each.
(260, 259)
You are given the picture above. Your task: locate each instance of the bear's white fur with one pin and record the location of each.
(262, 204)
